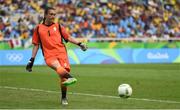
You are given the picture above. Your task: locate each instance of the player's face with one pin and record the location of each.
(51, 15)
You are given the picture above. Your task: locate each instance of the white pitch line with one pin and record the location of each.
(93, 95)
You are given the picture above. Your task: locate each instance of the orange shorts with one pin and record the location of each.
(62, 59)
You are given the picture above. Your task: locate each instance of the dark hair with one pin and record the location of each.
(46, 10)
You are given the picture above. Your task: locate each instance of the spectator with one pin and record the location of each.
(104, 18)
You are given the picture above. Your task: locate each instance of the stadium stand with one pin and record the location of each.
(99, 19)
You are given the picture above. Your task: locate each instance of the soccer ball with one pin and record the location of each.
(124, 90)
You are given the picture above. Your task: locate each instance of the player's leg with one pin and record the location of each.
(65, 74)
(63, 59)
(63, 92)
(62, 72)
(54, 64)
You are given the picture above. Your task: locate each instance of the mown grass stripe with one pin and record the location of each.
(92, 95)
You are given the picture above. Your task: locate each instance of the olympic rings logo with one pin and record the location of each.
(14, 57)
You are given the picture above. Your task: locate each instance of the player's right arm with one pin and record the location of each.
(31, 60)
(35, 50)
(35, 41)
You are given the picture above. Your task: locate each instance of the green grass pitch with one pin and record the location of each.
(155, 86)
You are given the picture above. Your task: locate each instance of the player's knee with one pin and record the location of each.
(61, 71)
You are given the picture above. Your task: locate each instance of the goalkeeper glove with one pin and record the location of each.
(82, 46)
(30, 65)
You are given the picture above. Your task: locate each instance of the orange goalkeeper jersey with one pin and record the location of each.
(50, 39)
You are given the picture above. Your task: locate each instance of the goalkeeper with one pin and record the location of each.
(49, 36)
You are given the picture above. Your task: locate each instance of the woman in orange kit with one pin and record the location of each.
(49, 36)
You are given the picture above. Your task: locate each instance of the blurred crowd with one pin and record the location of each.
(93, 18)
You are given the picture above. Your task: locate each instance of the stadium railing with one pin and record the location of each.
(129, 39)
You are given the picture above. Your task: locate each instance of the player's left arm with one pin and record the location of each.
(83, 46)
(67, 37)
